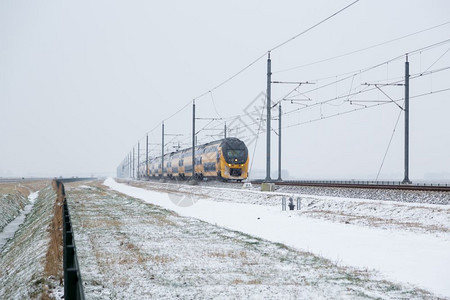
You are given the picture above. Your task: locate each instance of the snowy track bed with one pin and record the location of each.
(131, 249)
(411, 196)
(394, 215)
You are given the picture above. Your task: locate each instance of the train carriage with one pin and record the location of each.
(226, 159)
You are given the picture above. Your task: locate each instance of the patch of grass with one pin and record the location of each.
(251, 282)
(101, 223)
(230, 254)
(281, 246)
(160, 259)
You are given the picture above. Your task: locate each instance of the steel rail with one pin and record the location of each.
(386, 185)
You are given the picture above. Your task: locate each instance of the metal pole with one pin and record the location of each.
(269, 82)
(138, 159)
(162, 151)
(146, 156)
(406, 179)
(193, 138)
(279, 142)
(225, 130)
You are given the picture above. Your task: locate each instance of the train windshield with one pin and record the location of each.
(236, 154)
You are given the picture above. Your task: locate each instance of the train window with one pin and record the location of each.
(235, 153)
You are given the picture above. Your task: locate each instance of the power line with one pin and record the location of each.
(365, 107)
(348, 96)
(312, 27)
(361, 71)
(439, 58)
(231, 77)
(362, 49)
(296, 36)
(256, 60)
(366, 89)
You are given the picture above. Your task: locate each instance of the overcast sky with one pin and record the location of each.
(82, 82)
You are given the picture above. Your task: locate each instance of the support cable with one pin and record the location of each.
(436, 60)
(257, 136)
(389, 144)
(214, 104)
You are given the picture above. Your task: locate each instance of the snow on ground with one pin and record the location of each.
(11, 203)
(417, 258)
(129, 249)
(14, 197)
(393, 215)
(10, 229)
(372, 194)
(22, 259)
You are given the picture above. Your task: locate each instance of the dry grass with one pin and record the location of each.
(102, 223)
(24, 188)
(160, 259)
(374, 221)
(228, 254)
(251, 282)
(159, 220)
(53, 265)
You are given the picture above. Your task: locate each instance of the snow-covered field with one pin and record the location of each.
(404, 242)
(151, 240)
(134, 249)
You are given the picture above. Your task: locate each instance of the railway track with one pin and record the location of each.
(18, 180)
(385, 185)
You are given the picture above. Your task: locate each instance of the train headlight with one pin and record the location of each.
(242, 165)
(229, 165)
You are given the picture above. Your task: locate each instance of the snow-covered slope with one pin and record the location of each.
(415, 248)
(22, 260)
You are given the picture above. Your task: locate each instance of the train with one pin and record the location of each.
(226, 159)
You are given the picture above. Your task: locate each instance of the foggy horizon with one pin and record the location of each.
(82, 83)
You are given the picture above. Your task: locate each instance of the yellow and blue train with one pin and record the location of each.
(226, 159)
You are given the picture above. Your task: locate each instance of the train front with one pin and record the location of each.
(234, 159)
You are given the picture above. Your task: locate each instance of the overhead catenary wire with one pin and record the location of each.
(312, 27)
(255, 61)
(294, 37)
(361, 71)
(287, 41)
(346, 96)
(365, 107)
(366, 89)
(362, 49)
